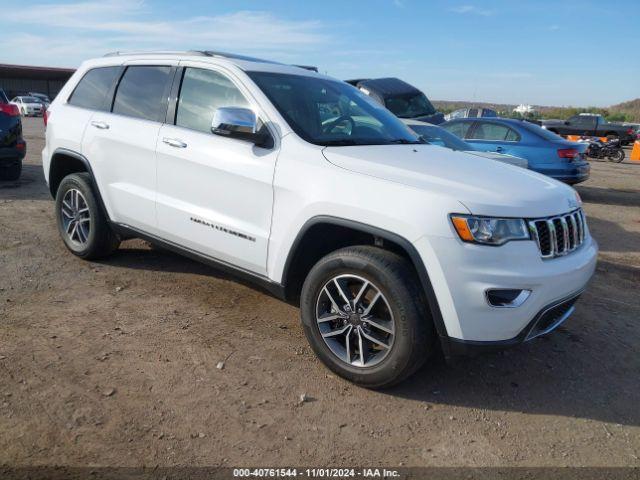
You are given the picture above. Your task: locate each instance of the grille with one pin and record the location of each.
(558, 236)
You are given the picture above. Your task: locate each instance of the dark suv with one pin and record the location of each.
(12, 145)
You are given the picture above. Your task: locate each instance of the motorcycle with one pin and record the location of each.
(610, 150)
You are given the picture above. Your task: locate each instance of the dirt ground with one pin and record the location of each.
(114, 363)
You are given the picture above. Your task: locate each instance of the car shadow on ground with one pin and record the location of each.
(587, 368)
(30, 185)
(608, 196)
(611, 237)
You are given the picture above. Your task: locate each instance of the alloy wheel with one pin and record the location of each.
(76, 218)
(355, 320)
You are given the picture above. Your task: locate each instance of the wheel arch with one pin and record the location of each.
(321, 235)
(65, 162)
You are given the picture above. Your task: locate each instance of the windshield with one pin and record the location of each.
(410, 106)
(328, 112)
(439, 136)
(31, 100)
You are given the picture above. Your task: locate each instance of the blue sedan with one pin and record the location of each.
(546, 152)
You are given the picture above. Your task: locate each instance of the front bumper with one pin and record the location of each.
(461, 273)
(547, 320)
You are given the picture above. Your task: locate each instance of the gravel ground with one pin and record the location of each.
(115, 363)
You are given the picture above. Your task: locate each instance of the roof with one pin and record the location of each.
(387, 87)
(210, 56)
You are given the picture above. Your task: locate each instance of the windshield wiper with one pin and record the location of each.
(404, 141)
(341, 143)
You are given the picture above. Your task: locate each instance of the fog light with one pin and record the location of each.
(506, 297)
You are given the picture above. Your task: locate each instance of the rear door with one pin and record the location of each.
(215, 194)
(121, 142)
(494, 137)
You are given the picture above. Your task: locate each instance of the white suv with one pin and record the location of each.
(393, 248)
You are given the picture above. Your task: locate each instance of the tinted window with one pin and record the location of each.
(142, 93)
(202, 92)
(93, 88)
(541, 132)
(459, 129)
(494, 132)
(583, 120)
(3, 97)
(410, 106)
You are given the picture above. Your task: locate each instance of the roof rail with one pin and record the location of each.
(166, 52)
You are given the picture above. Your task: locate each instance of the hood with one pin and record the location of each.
(501, 157)
(484, 186)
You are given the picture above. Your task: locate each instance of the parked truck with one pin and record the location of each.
(590, 125)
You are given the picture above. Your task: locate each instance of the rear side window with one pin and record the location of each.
(92, 90)
(3, 97)
(202, 92)
(142, 93)
(494, 132)
(459, 129)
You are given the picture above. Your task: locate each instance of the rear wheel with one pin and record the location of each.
(81, 222)
(11, 171)
(364, 316)
(616, 156)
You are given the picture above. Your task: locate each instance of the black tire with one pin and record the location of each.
(414, 337)
(12, 171)
(101, 241)
(616, 156)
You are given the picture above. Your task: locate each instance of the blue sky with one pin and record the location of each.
(562, 52)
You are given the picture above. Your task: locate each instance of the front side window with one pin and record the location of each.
(494, 132)
(142, 92)
(459, 129)
(201, 93)
(92, 90)
(327, 112)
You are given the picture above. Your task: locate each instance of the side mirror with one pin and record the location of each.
(240, 123)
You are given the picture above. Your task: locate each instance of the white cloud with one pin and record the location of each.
(74, 31)
(472, 10)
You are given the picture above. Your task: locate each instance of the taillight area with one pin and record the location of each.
(45, 117)
(9, 109)
(630, 131)
(570, 153)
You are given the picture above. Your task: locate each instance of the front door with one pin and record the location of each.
(214, 194)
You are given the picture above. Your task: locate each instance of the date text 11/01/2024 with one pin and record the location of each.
(315, 472)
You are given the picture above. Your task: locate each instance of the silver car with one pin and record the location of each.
(28, 106)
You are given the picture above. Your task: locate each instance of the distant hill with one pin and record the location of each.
(630, 109)
(622, 112)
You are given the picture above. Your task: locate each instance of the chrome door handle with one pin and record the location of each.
(100, 125)
(174, 142)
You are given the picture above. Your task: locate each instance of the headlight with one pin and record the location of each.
(489, 230)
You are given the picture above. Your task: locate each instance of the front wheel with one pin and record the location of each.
(365, 316)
